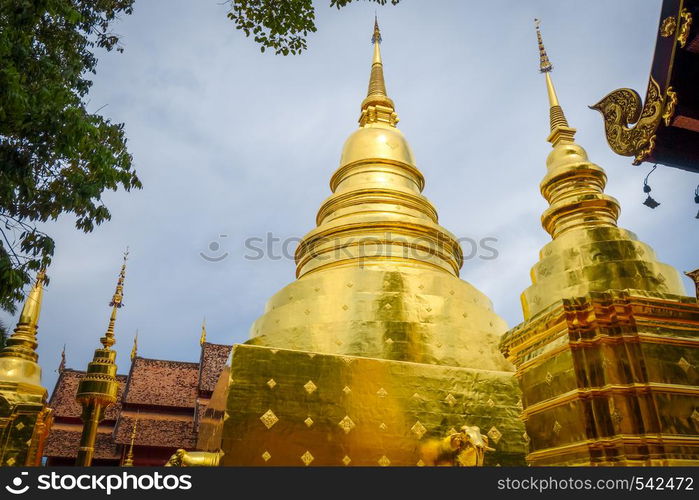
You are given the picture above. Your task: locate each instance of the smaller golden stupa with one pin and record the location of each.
(24, 418)
(607, 353)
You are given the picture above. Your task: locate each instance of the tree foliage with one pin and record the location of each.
(56, 157)
(280, 25)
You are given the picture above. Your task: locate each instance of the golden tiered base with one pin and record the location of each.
(294, 408)
(610, 379)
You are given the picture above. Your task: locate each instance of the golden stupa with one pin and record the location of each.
(24, 417)
(378, 350)
(606, 357)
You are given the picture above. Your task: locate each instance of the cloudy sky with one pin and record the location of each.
(229, 141)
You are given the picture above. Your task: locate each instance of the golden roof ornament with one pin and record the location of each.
(202, 337)
(62, 365)
(134, 348)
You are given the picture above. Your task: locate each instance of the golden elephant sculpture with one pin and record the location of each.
(464, 448)
(183, 458)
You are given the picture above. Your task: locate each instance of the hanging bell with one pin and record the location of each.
(651, 203)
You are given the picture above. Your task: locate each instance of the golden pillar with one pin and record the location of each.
(98, 387)
(128, 461)
(378, 348)
(24, 418)
(606, 357)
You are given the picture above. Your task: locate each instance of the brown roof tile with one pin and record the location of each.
(157, 382)
(213, 358)
(65, 443)
(162, 431)
(63, 397)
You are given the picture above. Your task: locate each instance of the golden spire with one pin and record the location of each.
(560, 131)
(22, 343)
(115, 304)
(377, 107)
(128, 462)
(202, 338)
(98, 388)
(20, 348)
(134, 349)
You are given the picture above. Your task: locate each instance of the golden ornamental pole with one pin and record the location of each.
(98, 388)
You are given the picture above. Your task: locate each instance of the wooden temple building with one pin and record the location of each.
(166, 397)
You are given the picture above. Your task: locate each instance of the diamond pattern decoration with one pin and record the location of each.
(490, 403)
(346, 390)
(310, 387)
(346, 424)
(389, 341)
(684, 364)
(346, 460)
(308, 422)
(420, 463)
(307, 458)
(384, 461)
(549, 378)
(526, 437)
(19, 426)
(450, 399)
(266, 456)
(519, 404)
(416, 396)
(388, 307)
(347, 360)
(382, 393)
(382, 426)
(557, 427)
(10, 461)
(418, 429)
(494, 434)
(271, 383)
(269, 419)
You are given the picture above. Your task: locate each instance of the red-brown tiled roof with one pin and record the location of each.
(63, 397)
(163, 431)
(65, 443)
(213, 358)
(157, 382)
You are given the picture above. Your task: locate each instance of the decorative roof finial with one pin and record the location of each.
(128, 462)
(116, 303)
(560, 130)
(62, 365)
(134, 349)
(202, 337)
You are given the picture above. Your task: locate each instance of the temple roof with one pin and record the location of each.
(158, 382)
(213, 358)
(169, 431)
(63, 399)
(64, 443)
